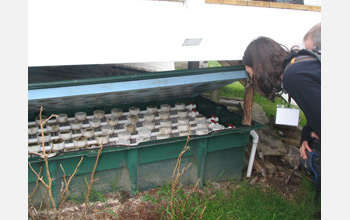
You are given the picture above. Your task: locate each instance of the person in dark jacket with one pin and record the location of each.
(265, 61)
(312, 42)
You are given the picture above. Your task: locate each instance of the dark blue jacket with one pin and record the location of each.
(302, 81)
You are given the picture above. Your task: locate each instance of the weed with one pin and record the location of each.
(219, 176)
(242, 202)
(94, 196)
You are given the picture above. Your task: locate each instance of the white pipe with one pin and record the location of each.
(255, 137)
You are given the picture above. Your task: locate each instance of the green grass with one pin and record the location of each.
(214, 64)
(236, 90)
(245, 202)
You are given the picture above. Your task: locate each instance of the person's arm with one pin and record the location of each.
(305, 145)
(302, 81)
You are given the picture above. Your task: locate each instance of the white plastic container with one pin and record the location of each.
(57, 144)
(112, 121)
(182, 113)
(88, 132)
(33, 129)
(124, 135)
(48, 148)
(183, 121)
(80, 116)
(202, 124)
(193, 114)
(99, 114)
(52, 127)
(34, 147)
(165, 130)
(151, 109)
(202, 131)
(149, 125)
(131, 128)
(162, 136)
(134, 110)
(133, 119)
(107, 130)
(164, 115)
(76, 124)
(47, 137)
(145, 133)
(37, 119)
(217, 127)
(183, 127)
(165, 122)
(180, 106)
(102, 139)
(62, 118)
(95, 122)
(80, 141)
(199, 118)
(124, 138)
(65, 134)
(165, 107)
(183, 133)
(116, 112)
(148, 117)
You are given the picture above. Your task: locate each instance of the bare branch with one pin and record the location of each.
(36, 184)
(70, 178)
(92, 178)
(64, 175)
(175, 180)
(31, 210)
(188, 197)
(37, 175)
(200, 217)
(44, 122)
(64, 193)
(201, 206)
(49, 185)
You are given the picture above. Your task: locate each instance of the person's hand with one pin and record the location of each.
(305, 146)
(314, 135)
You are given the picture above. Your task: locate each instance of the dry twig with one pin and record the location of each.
(64, 191)
(31, 210)
(201, 206)
(177, 173)
(49, 184)
(201, 216)
(92, 179)
(188, 197)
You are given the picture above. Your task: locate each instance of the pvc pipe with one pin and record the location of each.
(255, 137)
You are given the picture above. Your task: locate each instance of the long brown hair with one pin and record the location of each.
(265, 56)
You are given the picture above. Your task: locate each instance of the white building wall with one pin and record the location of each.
(124, 31)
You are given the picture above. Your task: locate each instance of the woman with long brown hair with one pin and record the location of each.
(273, 68)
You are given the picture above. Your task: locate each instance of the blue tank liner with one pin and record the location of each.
(130, 89)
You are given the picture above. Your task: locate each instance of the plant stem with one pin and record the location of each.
(92, 178)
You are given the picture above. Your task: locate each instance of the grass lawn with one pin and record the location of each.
(241, 202)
